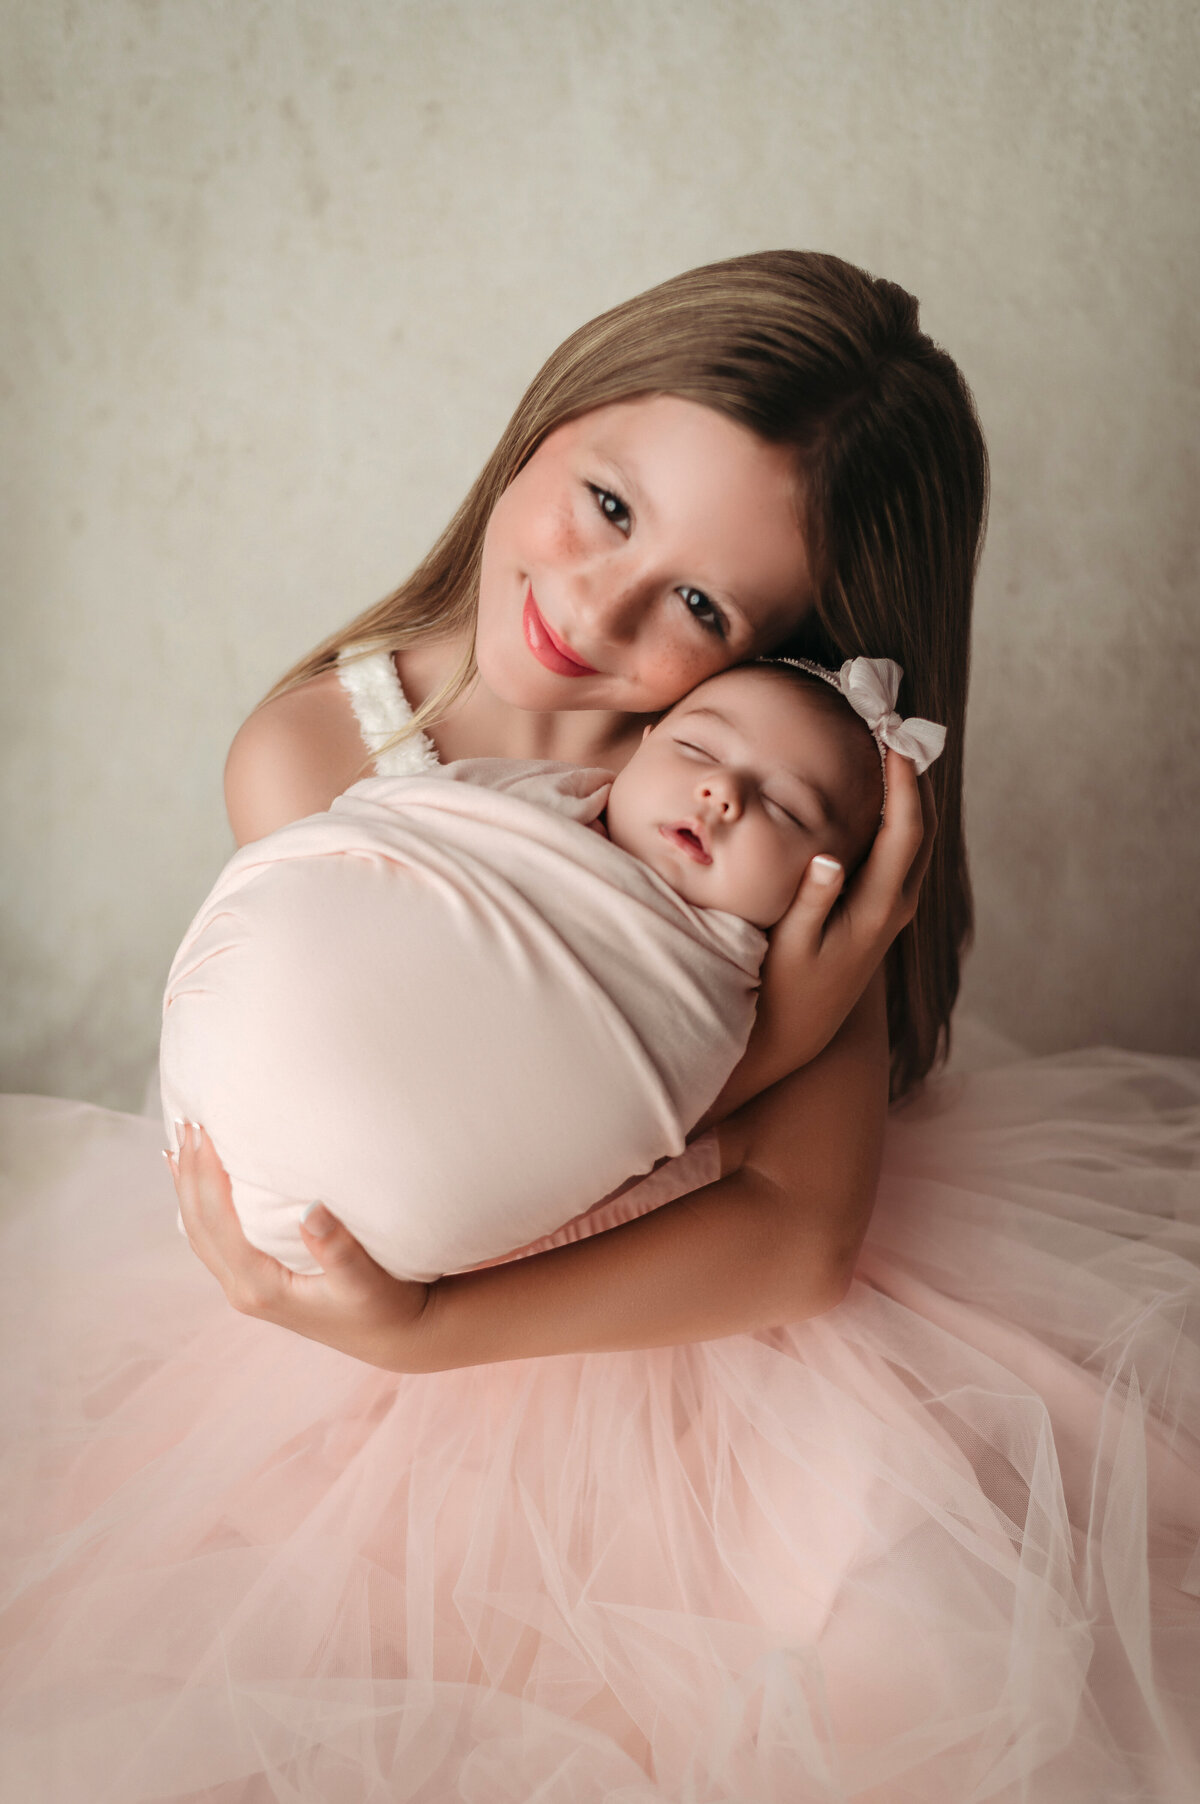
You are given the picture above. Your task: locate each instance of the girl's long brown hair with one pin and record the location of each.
(810, 352)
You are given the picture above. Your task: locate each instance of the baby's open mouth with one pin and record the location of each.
(687, 840)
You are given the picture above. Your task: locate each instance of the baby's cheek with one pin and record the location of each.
(853, 847)
(792, 871)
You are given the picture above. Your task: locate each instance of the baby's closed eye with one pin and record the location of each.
(785, 814)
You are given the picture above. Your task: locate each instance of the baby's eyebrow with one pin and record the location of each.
(811, 790)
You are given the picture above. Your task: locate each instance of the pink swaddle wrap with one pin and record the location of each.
(451, 1012)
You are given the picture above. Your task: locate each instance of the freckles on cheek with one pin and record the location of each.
(676, 673)
(556, 534)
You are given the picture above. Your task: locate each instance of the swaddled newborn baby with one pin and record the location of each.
(585, 948)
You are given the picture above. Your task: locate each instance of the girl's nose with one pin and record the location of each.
(609, 611)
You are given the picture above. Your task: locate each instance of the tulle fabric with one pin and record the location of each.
(938, 1545)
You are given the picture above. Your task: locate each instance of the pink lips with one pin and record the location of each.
(547, 647)
(687, 838)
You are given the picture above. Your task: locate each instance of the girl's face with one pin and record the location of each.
(643, 547)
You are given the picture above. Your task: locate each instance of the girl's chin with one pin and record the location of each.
(532, 689)
(513, 675)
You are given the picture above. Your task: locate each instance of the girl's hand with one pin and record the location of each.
(353, 1305)
(840, 951)
(820, 961)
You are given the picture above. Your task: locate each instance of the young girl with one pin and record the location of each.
(320, 1005)
(931, 1545)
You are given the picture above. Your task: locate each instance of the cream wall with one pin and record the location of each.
(275, 275)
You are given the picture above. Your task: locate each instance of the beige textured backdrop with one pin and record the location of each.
(276, 273)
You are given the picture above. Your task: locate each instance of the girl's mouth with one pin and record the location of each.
(547, 647)
(688, 841)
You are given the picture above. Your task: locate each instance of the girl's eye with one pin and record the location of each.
(701, 608)
(612, 507)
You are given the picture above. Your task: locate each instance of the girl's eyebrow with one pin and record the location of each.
(631, 487)
(810, 788)
(623, 478)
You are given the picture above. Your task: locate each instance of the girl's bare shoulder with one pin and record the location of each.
(291, 757)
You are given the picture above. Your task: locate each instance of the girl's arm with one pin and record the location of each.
(775, 1239)
(292, 757)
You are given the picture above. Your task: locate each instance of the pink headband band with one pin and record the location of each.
(871, 686)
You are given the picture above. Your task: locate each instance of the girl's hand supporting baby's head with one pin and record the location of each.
(882, 897)
(821, 956)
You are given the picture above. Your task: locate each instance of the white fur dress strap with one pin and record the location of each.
(382, 709)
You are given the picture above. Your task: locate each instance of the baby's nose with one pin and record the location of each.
(723, 791)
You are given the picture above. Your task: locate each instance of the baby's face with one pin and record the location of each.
(741, 784)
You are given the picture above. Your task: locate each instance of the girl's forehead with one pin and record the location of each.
(661, 434)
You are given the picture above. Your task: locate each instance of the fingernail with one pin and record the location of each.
(197, 1135)
(168, 1155)
(825, 870)
(317, 1220)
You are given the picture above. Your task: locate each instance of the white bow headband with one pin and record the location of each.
(871, 686)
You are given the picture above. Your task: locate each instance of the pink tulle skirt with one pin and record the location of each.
(936, 1546)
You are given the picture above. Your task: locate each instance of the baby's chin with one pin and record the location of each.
(762, 912)
(653, 851)
(702, 895)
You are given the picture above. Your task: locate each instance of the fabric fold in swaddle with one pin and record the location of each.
(452, 1012)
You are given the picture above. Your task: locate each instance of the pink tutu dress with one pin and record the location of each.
(934, 1547)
